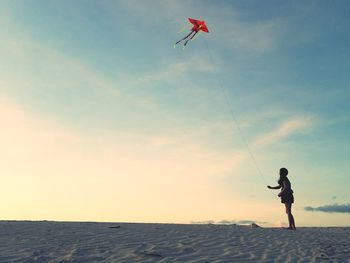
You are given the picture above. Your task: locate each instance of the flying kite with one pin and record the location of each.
(198, 25)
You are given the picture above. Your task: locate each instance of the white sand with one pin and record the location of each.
(25, 241)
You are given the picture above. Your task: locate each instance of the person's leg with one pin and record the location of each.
(290, 216)
(184, 38)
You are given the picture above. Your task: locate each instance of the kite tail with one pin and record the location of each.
(200, 32)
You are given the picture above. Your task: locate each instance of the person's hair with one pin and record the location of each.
(283, 175)
(284, 171)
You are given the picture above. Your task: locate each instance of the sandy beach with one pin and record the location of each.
(46, 241)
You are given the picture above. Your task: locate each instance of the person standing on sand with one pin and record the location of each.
(286, 195)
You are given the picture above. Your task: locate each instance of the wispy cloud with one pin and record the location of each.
(54, 68)
(287, 128)
(335, 208)
(36, 133)
(204, 222)
(191, 65)
(120, 164)
(254, 37)
(229, 222)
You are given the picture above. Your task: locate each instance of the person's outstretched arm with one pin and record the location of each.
(274, 187)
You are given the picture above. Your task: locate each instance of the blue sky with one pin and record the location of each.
(96, 87)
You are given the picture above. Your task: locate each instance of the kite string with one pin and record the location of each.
(224, 89)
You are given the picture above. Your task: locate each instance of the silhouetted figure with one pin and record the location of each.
(286, 195)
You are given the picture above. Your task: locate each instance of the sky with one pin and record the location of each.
(102, 119)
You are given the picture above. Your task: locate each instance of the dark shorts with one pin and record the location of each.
(287, 198)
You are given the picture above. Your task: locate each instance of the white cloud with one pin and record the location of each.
(171, 72)
(53, 166)
(291, 126)
(43, 146)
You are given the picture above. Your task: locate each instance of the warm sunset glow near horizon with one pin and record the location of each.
(103, 120)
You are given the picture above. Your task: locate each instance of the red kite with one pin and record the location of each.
(198, 25)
